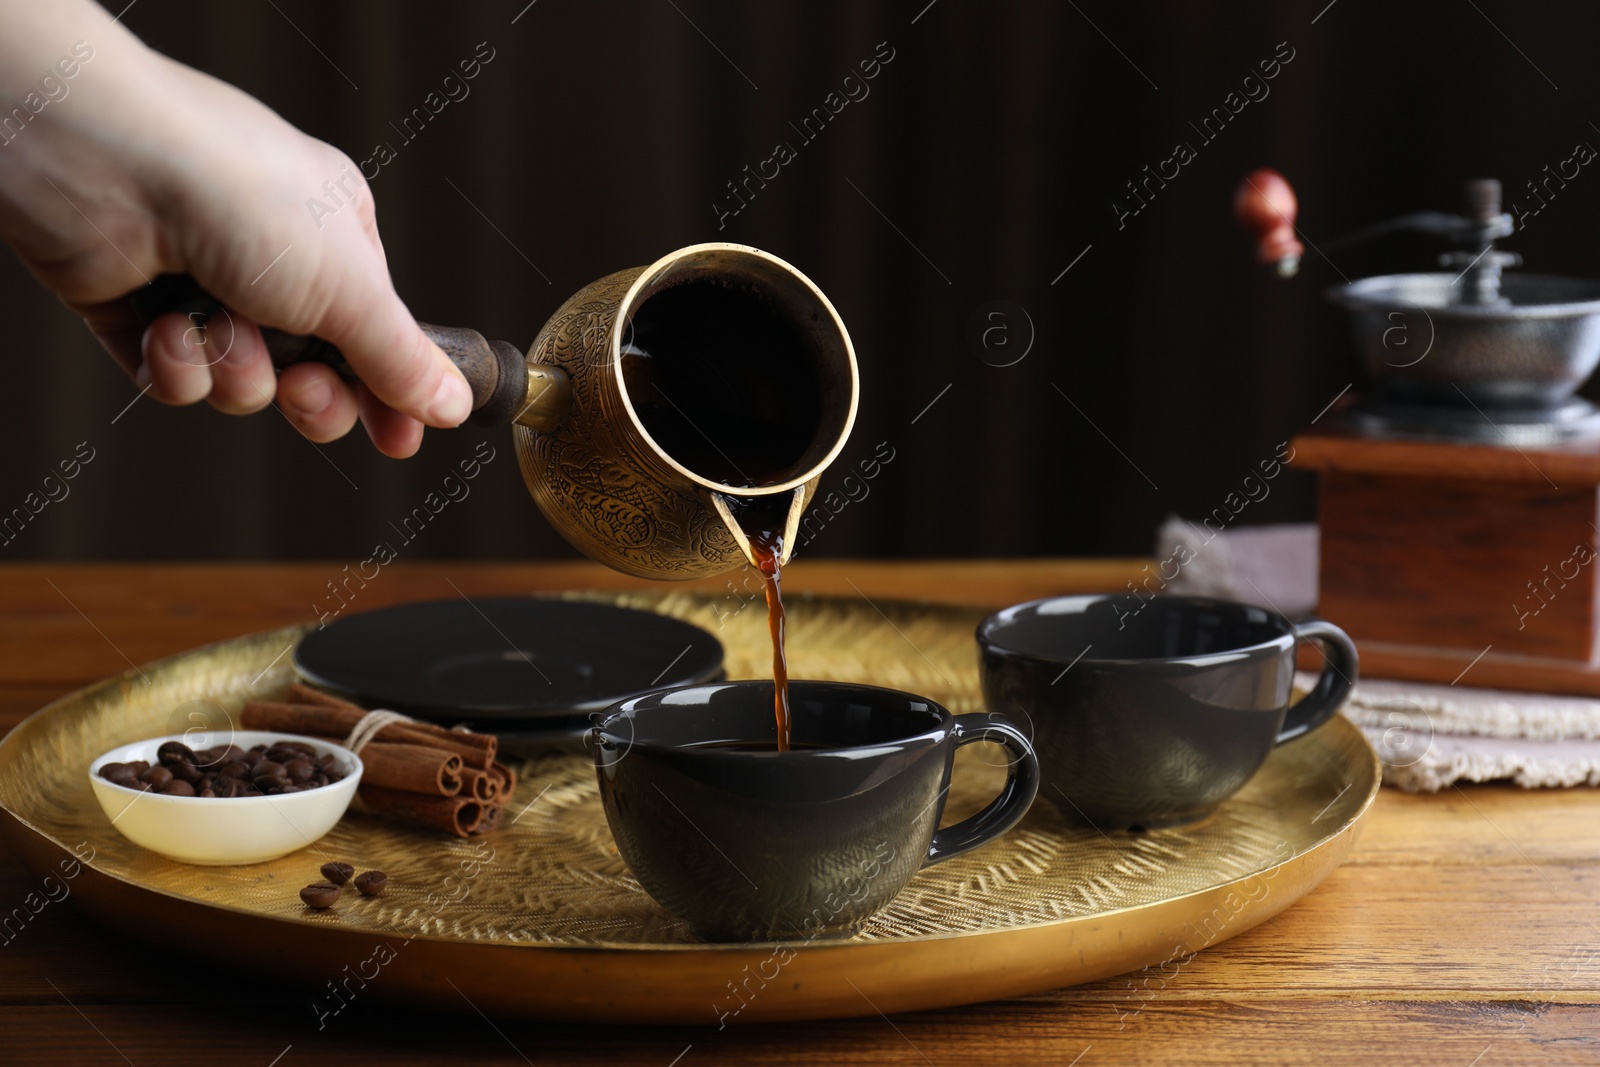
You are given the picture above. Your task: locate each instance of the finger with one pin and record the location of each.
(118, 329)
(314, 399)
(396, 435)
(242, 378)
(389, 352)
(170, 368)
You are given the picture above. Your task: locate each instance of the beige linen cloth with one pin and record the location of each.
(1429, 737)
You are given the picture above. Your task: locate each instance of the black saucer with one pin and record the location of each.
(517, 665)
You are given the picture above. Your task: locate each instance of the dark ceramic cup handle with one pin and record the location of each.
(1338, 676)
(1007, 809)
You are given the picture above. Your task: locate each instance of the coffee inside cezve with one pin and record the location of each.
(722, 382)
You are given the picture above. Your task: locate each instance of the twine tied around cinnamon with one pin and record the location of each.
(368, 726)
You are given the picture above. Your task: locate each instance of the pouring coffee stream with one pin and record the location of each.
(764, 529)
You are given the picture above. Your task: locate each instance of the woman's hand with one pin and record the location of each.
(136, 166)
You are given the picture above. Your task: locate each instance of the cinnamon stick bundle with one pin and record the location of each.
(416, 772)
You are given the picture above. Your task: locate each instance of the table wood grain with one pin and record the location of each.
(1464, 931)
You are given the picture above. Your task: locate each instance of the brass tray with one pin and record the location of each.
(542, 919)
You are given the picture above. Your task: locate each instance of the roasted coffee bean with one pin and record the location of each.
(139, 766)
(266, 769)
(320, 895)
(225, 787)
(299, 770)
(234, 769)
(120, 773)
(206, 791)
(174, 751)
(179, 788)
(300, 747)
(187, 772)
(326, 762)
(337, 873)
(372, 883)
(158, 777)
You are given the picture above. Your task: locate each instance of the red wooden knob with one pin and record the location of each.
(1265, 205)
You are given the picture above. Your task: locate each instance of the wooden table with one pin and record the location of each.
(1463, 932)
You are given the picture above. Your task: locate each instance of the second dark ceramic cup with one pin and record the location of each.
(1152, 711)
(749, 845)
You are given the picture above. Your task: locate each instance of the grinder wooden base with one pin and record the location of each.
(1465, 563)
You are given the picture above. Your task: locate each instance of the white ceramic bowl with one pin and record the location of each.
(221, 831)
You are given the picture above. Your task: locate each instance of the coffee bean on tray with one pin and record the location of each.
(372, 883)
(320, 895)
(337, 873)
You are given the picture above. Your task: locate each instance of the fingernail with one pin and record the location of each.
(313, 398)
(452, 401)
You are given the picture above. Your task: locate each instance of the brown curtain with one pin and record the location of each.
(982, 159)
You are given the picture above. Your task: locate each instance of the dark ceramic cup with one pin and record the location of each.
(1152, 711)
(748, 844)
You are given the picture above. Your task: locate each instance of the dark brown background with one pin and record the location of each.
(995, 141)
